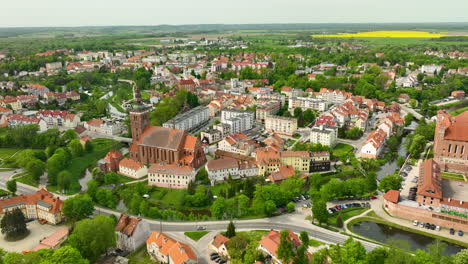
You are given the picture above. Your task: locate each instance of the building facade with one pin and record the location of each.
(132, 168)
(325, 135)
(132, 232)
(171, 176)
(281, 125)
(189, 120)
(451, 142)
(40, 205)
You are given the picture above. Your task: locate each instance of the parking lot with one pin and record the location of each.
(37, 232)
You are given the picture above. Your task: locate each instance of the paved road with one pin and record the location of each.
(280, 222)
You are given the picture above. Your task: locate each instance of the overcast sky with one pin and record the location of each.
(20, 13)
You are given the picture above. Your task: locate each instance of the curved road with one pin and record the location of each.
(280, 222)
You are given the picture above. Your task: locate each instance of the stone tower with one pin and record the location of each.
(139, 116)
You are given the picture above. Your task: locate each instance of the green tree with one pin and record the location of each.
(290, 207)
(36, 168)
(88, 146)
(218, 208)
(390, 182)
(111, 178)
(75, 147)
(304, 237)
(92, 237)
(270, 207)
(69, 135)
(64, 180)
(11, 186)
(78, 207)
(231, 230)
(339, 221)
(13, 224)
(408, 118)
(418, 143)
(319, 211)
(65, 255)
(285, 249)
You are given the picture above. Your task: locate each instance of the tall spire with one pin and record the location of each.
(136, 94)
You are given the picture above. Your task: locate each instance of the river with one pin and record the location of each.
(384, 233)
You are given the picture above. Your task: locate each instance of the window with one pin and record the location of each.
(456, 148)
(450, 148)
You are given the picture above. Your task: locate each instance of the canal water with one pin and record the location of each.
(383, 233)
(390, 167)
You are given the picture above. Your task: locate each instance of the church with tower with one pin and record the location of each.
(160, 145)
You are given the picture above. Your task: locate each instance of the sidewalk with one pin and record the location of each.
(377, 206)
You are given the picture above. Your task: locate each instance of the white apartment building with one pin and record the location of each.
(238, 120)
(267, 110)
(189, 120)
(325, 135)
(170, 176)
(220, 169)
(307, 103)
(281, 125)
(132, 168)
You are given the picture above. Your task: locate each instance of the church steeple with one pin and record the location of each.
(139, 116)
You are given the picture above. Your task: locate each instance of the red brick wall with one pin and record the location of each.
(426, 216)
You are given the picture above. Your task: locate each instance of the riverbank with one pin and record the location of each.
(379, 220)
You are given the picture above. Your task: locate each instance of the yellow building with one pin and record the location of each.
(299, 160)
(270, 161)
(281, 125)
(40, 205)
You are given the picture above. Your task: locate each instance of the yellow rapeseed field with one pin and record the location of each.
(384, 34)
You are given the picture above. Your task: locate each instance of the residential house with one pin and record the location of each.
(221, 169)
(374, 144)
(283, 173)
(132, 232)
(269, 244)
(111, 161)
(132, 168)
(21, 120)
(237, 143)
(170, 176)
(53, 241)
(219, 245)
(165, 249)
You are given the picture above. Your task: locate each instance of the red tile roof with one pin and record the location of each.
(392, 196)
(272, 240)
(179, 252)
(127, 224)
(131, 164)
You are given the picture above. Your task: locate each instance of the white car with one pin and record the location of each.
(415, 222)
(437, 228)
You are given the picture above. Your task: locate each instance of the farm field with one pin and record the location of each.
(385, 34)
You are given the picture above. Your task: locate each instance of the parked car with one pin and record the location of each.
(421, 225)
(201, 228)
(438, 228)
(214, 254)
(460, 233)
(373, 197)
(452, 231)
(415, 222)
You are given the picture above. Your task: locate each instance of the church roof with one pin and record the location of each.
(161, 137)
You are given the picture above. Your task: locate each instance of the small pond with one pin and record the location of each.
(383, 233)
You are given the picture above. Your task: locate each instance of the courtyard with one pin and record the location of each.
(37, 232)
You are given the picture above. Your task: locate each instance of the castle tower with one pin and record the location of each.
(139, 116)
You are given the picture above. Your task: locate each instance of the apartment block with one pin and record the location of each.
(281, 125)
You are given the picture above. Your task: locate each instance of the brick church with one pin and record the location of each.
(154, 144)
(451, 142)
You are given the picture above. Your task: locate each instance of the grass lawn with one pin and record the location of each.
(125, 179)
(140, 256)
(169, 198)
(5, 153)
(346, 214)
(3, 193)
(78, 165)
(26, 178)
(315, 243)
(340, 149)
(253, 235)
(452, 176)
(459, 111)
(101, 147)
(196, 235)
